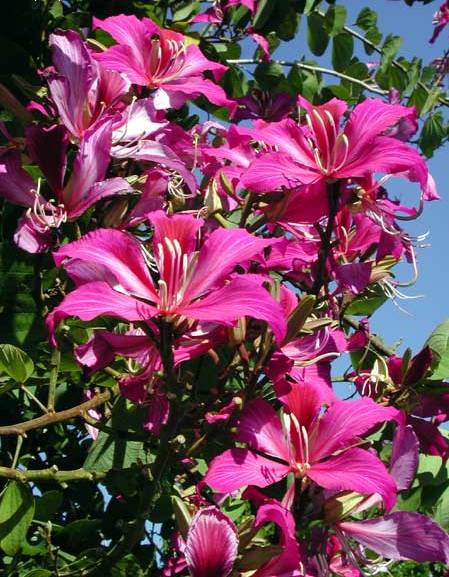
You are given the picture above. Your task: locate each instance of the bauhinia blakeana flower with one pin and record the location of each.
(174, 281)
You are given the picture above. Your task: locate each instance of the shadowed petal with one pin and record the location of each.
(260, 427)
(212, 544)
(16, 185)
(47, 146)
(402, 535)
(404, 456)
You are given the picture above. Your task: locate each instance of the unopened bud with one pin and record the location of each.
(237, 334)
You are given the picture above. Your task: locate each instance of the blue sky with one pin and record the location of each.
(414, 24)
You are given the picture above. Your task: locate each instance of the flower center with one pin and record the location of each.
(175, 272)
(166, 60)
(329, 146)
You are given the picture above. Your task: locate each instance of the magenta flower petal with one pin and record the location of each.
(390, 156)
(353, 276)
(110, 187)
(404, 456)
(274, 170)
(94, 299)
(401, 535)
(236, 468)
(70, 86)
(369, 120)
(47, 146)
(304, 399)
(228, 248)
(16, 185)
(287, 564)
(355, 470)
(212, 544)
(344, 421)
(241, 297)
(31, 236)
(118, 252)
(89, 167)
(260, 427)
(183, 228)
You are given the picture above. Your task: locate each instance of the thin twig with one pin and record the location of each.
(376, 342)
(370, 87)
(54, 370)
(52, 418)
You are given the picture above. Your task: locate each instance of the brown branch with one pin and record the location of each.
(52, 474)
(51, 418)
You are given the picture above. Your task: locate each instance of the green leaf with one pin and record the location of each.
(186, 12)
(16, 363)
(115, 450)
(48, 505)
(268, 75)
(39, 573)
(263, 13)
(342, 50)
(431, 100)
(432, 133)
(317, 37)
(368, 302)
(56, 9)
(16, 514)
(366, 19)
(389, 50)
(439, 344)
(335, 19)
(441, 512)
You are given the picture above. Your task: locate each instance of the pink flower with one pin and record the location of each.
(48, 148)
(323, 151)
(189, 287)
(310, 445)
(160, 59)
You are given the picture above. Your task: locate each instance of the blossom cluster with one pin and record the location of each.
(242, 244)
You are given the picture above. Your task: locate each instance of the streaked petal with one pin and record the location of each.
(355, 470)
(228, 248)
(273, 171)
(110, 187)
(236, 468)
(90, 165)
(95, 299)
(117, 251)
(345, 421)
(241, 297)
(212, 544)
(370, 119)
